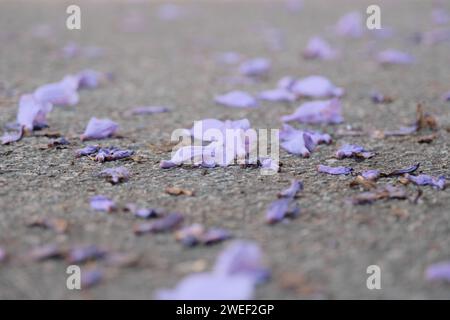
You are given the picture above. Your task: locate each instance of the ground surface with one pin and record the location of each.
(322, 254)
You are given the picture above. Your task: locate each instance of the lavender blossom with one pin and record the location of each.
(438, 271)
(426, 180)
(116, 175)
(257, 67)
(318, 48)
(102, 203)
(32, 113)
(391, 56)
(316, 87)
(352, 150)
(99, 129)
(237, 99)
(334, 170)
(317, 112)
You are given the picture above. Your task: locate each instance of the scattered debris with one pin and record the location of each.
(175, 191)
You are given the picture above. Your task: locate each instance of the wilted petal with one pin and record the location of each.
(277, 95)
(167, 223)
(350, 25)
(90, 277)
(99, 129)
(316, 87)
(400, 172)
(86, 151)
(209, 286)
(440, 16)
(288, 132)
(32, 113)
(81, 254)
(317, 112)
(318, 48)
(90, 79)
(242, 258)
(438, 271)
(371, 174)
(60, 93)
(300, 144)
(334, 170)
(394, 57)
(257, 67)
(403, 131)
(269, 164)
(215, 235)
(426, 180)
(291, 192)
(144, 212)
(286, 83)
(352, 150)
(237, 99)
(116, 175)
(229, 58)
(280, 209)
(102, 203)
(147, 110)
(9, 137)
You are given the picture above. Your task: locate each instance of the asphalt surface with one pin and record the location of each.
(322, 254)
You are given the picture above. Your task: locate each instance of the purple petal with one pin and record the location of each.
(145, 213)
(371, 174)
(334, 170)
(215, 235)
(3, 255)
(90, 79)
(352, 150)
(394, 57)
(426, 180)
(90, 277)
(317, 112)
(403, 131)
(400, 172)
(208, 286)
(229, 58)
(288, 132)
(116, 175)
(102, 203)
(257, 67)
(200, 128)
(280, 209)
(242, 258)
(277, 95)
(440, 16)
(60, 93)
(237, 99)
(316, 87)
(318, 48)
(291, 192)
(99, 129)
(438, 271)
(269, 164)
(32, 113)
(147, 110)
(350, 25)
(86, 151)
(167, 223)
(85, 253)
(446, 96)
(299, 144)
(10, 137)
(286, 83)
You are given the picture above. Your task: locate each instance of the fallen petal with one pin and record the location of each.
(237, 99)
(99, 129)
(317, 112)
(334, 170)
(102, 203)
(257, 67)
(167, 223)
(291, 192)
(438, 271)
(316, 87)
(116, 175)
